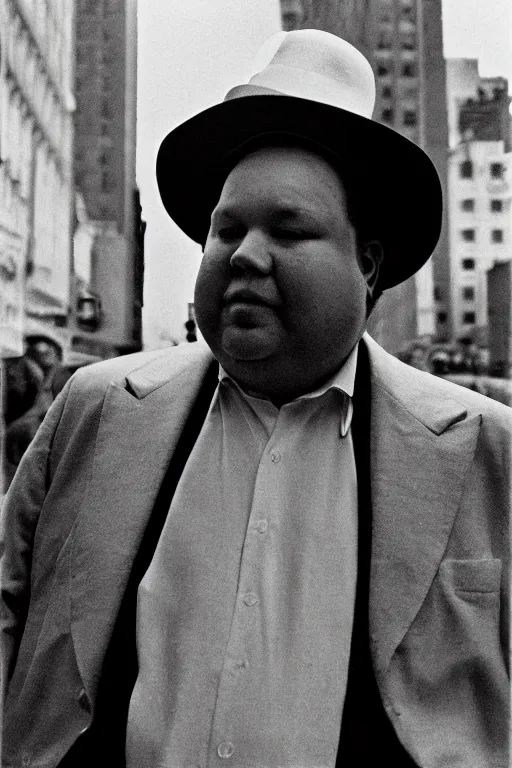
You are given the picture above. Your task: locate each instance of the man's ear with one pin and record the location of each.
(371, 256)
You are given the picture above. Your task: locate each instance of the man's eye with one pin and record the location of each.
(290, 234)
(229, 233)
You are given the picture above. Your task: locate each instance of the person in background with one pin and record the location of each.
(21, 386)
(21, 389)
(47, 354)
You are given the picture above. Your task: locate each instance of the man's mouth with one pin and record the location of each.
(247, 296)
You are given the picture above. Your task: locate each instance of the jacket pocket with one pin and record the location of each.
(471, 577)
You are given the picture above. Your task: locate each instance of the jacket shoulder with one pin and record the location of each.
(423, 393)
(437, 387)
(140, 370)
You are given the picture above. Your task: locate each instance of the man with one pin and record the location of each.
(293, 553)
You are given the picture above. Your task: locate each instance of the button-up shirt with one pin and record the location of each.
(245, 614)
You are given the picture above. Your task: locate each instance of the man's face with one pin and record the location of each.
(280, 297)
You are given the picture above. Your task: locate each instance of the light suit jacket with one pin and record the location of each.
(439, 594)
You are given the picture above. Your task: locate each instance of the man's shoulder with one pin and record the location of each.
(143, 371)
(474, 401)
(420, 391)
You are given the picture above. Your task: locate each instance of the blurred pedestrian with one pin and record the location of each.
(22, 384)
(48, 356)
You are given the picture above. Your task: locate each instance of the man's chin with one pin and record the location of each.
(246, 344)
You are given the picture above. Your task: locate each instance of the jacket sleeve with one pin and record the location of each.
(18, 523)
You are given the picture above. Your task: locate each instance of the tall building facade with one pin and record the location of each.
(352, 19)
(404, 43)
(36, 180)
(499, 293)
(480, 181)
(105, 135)
(411, 98)
(480, 192)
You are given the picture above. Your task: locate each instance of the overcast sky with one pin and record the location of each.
(190, 53)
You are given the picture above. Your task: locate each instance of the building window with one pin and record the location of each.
(468, 204)
(410, 117)
(497, 235)
(409, 69)
(437, 293)
(407, 11)
(387, 115)
(496, 171)
(387, 92)
(408, 41)
(468, 235)
(496, 206)
(383, 69)
(384, 43)
(468, 293)
(105, 185)
(106, 83)
(466, 169)
(441, 317)
(468, 263)
(468, 318)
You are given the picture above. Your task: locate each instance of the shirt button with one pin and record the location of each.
(250, 599)
(25, 759)
(275, 457)
(225, 749)
(261, 526)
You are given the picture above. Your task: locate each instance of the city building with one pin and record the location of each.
(403, 41)
(478, 107)
(480, 191)
(480, 198)
(411, 84)
(36, 180)
(499, 292)
(108, 306)
(462, 82)
(351, 19)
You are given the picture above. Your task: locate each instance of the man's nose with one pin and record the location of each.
(252, 255)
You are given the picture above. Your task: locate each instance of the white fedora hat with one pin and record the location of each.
(319, 89)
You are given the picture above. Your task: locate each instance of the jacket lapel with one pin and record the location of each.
(140, 426)
(422, 444)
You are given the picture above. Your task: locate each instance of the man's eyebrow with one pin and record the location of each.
(292, 214)
(278, 215)
(222, 213)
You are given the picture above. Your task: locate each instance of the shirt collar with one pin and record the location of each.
(343, 380)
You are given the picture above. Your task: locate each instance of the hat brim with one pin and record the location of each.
(401, 187)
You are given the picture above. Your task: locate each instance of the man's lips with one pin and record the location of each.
(247, 296)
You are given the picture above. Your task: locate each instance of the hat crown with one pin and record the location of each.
(318, 66)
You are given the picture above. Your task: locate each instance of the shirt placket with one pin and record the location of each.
(244, 649)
